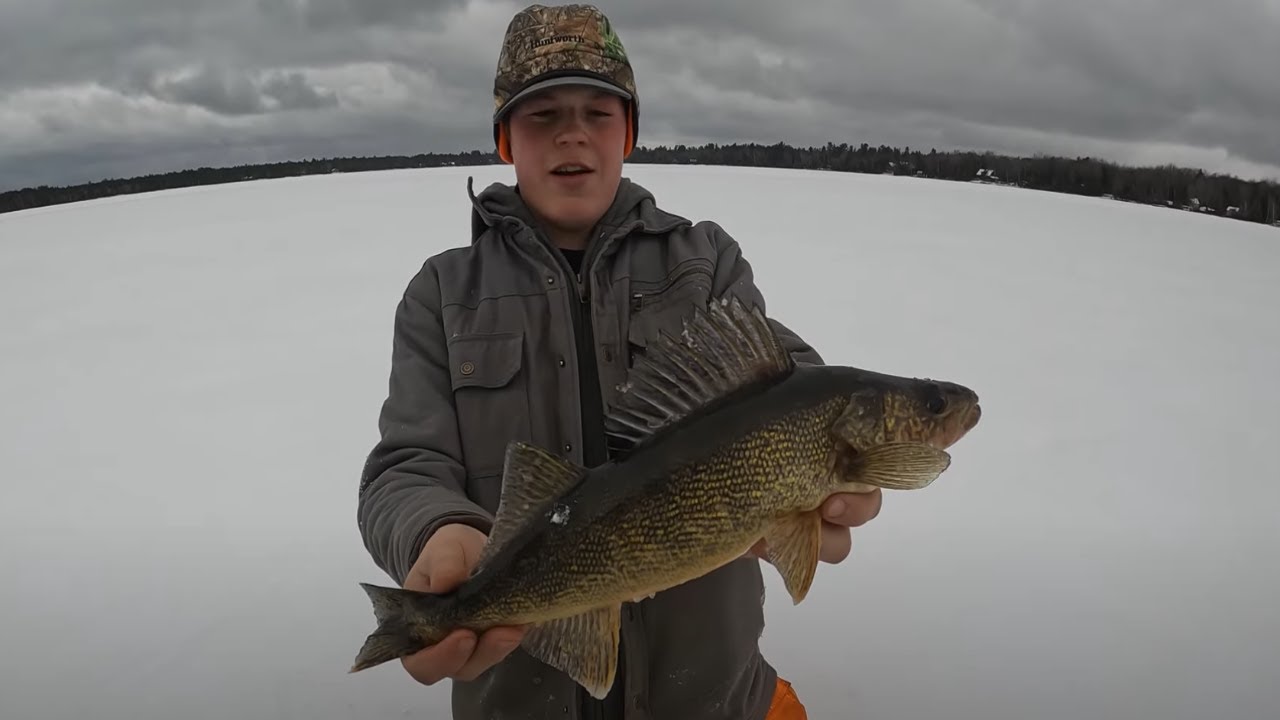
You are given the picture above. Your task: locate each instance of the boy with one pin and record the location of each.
(522, 335)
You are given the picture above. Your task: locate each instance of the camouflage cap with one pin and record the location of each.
(566, 44)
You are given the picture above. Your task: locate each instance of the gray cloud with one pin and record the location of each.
(108, 88)
(236, 92)
(337, 14)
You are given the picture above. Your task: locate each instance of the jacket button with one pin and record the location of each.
(608, 355)
(468, 368)
(561, 362)
(568, 447)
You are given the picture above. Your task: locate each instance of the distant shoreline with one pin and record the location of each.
(1188, 189)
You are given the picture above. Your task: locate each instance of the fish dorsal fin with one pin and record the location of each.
(722, 348)
(532, 479)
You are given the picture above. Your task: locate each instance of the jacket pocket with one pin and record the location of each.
(689, 277)
(491, 397)
(664, 305)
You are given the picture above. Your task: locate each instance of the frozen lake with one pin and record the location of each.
(192, 379)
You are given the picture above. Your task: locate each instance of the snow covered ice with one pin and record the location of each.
(192, 378)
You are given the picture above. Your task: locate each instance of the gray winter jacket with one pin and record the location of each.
(485, 352)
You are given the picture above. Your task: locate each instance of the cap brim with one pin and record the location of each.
(560, 82)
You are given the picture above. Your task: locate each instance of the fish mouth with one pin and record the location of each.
(956, 428)
(972, 418)
(969, 422)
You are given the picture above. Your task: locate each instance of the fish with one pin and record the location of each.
(724, 440)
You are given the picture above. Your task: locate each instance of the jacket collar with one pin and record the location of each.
(634, 208)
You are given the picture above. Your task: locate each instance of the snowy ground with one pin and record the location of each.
(191, 380)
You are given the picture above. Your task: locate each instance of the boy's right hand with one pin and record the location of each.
(444, 563)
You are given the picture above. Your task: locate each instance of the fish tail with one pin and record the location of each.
(394, 637)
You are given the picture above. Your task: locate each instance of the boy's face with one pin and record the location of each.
(563, 127)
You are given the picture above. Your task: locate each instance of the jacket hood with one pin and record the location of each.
(633, 208)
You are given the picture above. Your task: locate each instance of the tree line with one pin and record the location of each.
(53, 195)
(1166, 185)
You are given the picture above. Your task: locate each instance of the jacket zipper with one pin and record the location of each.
(594, 442)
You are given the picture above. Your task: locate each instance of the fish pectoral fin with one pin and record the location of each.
(584, 647)
(532, 479)
(793, 543)
(898, 466)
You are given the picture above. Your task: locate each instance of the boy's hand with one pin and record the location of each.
(839, 513)
(444, 563)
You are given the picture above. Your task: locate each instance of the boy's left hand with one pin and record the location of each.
(840, 513)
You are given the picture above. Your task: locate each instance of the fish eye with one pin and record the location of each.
(936, 401)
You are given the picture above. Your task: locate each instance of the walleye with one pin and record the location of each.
(730, 442)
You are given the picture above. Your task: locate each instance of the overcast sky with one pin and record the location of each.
(111, 88)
